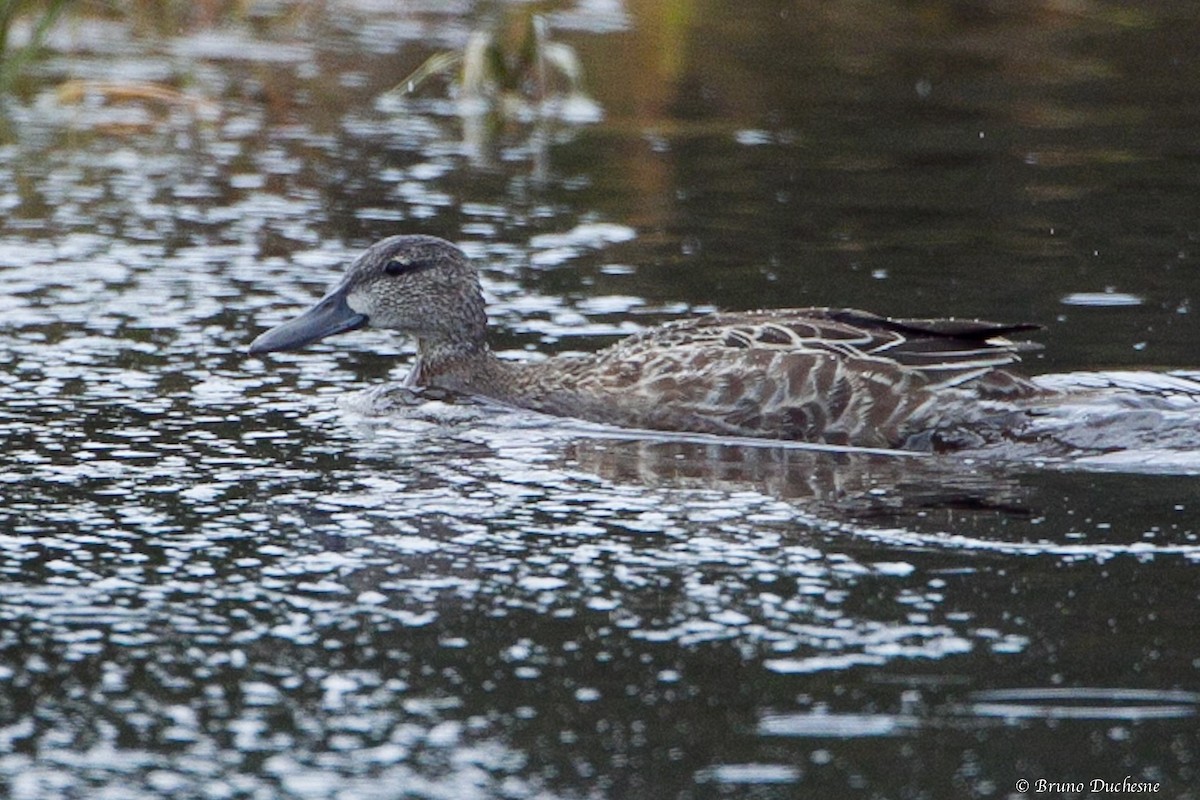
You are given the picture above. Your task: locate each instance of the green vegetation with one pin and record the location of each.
(11, 61)
(516, 60)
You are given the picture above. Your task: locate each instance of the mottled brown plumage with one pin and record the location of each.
(836, 376)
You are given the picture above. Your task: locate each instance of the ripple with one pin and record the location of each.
(833, 726)
(737, 774)
(1083, 703)
(1105, 299)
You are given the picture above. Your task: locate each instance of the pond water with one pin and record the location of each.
(225, 576)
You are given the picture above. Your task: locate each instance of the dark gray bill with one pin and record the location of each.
(329, 316)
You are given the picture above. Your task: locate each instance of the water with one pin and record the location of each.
(224, 577)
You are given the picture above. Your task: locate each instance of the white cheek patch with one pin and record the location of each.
(359, 303)
(373, 301)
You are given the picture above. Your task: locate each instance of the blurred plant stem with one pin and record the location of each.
(508, 60)
(12, 62)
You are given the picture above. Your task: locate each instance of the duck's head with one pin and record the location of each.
(418, 285)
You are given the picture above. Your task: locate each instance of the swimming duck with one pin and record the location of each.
(822, 375)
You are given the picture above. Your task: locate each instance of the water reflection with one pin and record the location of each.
(839, 484)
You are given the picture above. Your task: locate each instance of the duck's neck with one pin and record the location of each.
(468, 367)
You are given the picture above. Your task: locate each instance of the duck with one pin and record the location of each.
(834, 376)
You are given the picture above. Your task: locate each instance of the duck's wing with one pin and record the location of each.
(949, 352)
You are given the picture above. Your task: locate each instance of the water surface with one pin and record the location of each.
(223, 578)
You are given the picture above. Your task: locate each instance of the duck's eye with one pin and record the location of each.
(398, 267)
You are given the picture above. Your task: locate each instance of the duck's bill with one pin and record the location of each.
(330, 316)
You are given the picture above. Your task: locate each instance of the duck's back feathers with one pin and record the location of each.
(832, 375)
(948, 352)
